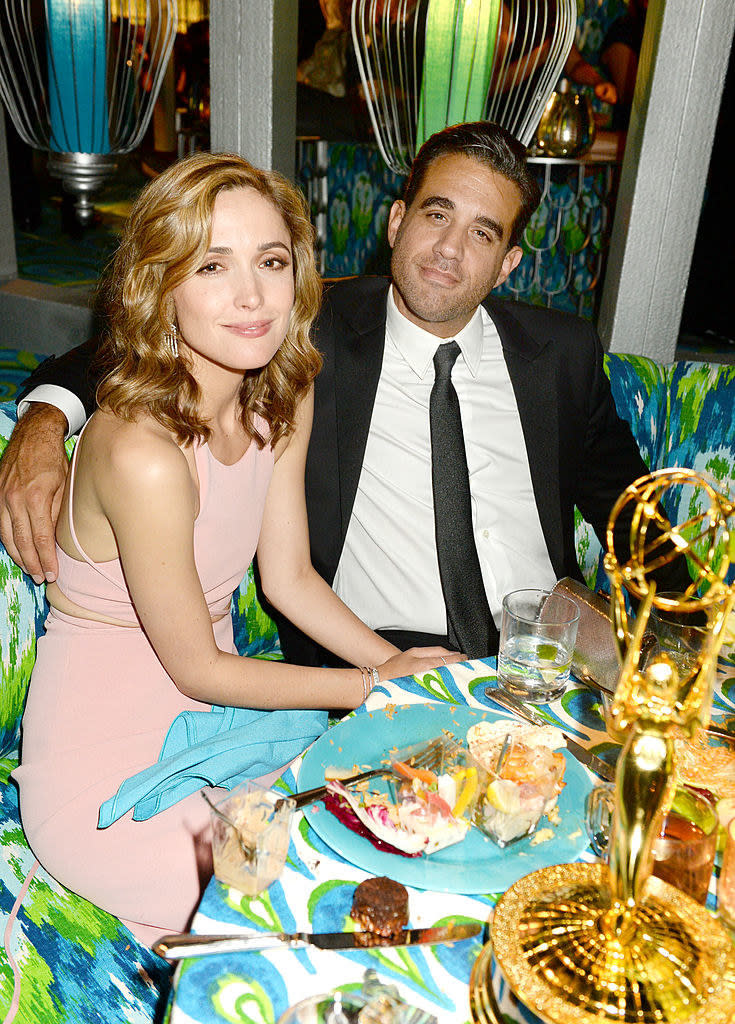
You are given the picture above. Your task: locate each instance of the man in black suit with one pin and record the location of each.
(541, 432)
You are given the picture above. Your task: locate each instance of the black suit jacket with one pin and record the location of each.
(580, 451)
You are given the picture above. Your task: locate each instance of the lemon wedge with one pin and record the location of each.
(503, 796)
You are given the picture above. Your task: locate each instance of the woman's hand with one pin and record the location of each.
(417, 660)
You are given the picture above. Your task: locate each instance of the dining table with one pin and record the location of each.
(314, 892)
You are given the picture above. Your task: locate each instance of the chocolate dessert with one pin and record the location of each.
(380, 906)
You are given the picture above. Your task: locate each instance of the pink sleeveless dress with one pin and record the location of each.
(100, 704)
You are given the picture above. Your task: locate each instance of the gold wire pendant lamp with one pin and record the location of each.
(426, 64)
(590, 943)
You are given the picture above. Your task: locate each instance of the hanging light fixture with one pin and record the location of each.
(426, 64)
(80, 78)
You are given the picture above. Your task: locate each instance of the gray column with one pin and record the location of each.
(682, 69)
(253, 80)
(8, 264)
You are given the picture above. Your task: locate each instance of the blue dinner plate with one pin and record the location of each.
(476, 865)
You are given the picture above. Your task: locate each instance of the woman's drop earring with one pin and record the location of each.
(171, 339)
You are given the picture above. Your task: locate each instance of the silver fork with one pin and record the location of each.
(427, 755)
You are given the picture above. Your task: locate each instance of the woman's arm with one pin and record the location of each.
(147, 494)
(289, 580)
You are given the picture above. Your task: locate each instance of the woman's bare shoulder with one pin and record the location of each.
(139, 450)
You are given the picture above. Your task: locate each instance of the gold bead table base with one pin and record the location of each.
(572, 958)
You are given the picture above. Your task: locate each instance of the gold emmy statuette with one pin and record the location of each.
(588, 943)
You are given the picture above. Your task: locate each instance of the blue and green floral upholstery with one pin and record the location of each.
(80, 964)
(15, 365)
(682, 415)
(76, 964)
(74, 961)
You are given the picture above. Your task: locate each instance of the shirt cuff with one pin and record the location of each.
(63, 399)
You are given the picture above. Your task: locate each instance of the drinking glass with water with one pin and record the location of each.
(537, 636)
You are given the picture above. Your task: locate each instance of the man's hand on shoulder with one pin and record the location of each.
(32, 476)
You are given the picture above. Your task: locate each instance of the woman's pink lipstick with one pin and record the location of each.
(253, 329)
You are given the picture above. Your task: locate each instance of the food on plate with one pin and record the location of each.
(428, 812)
(380, 906)
(346, 807)
(335, 772)
(725, 812)
(543, 835)
(705, 764)
(530, 779)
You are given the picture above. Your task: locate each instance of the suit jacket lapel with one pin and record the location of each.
(532, 375)
(358, 361)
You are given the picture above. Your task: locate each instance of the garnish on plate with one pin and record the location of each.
(428, 811)
(706, 764)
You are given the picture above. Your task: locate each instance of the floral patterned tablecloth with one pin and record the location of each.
(315, 894)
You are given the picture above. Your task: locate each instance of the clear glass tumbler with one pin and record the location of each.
(683, 852)
(679, 633)
(250, 836)
(726, 881)
(537, 636)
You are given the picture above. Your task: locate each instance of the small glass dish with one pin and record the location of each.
(250, 836)
(470, 780)
(373, 1003)
(328, 1008)
(507, 810)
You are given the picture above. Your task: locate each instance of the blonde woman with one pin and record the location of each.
(193, 461)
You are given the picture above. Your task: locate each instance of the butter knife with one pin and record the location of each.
(177, 947)
(521, 710)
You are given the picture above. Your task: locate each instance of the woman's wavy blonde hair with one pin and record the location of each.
(164, 242)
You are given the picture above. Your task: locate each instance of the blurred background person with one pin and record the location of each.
(619, 55)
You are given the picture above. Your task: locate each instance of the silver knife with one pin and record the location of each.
(521, 710)
(177, 947)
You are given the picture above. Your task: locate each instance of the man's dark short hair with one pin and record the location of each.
(491, 145)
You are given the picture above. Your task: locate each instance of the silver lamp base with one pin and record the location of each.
(82, 174)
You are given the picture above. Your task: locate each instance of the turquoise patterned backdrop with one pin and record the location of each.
(15, 366)
(566, 242)
(594, 17)
(351, 190)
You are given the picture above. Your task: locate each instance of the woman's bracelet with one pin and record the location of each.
(370, 678)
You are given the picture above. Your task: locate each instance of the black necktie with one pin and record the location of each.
(470, 625)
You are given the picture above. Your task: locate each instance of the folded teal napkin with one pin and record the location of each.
(219, 747)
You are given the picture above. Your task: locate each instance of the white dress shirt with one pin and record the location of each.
(388, 572)
(68, 403)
